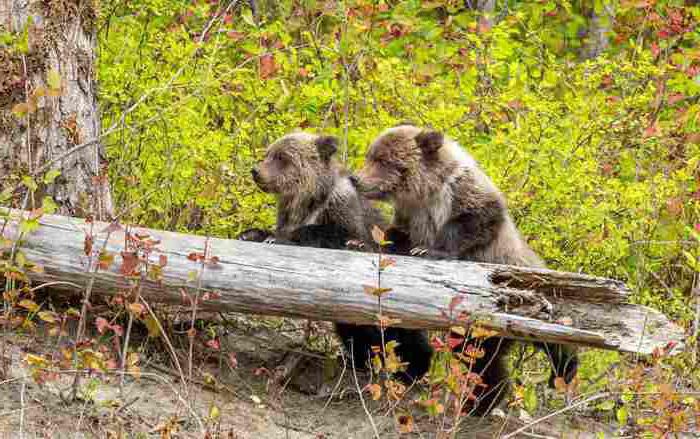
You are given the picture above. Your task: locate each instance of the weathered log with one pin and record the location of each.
(522, 303)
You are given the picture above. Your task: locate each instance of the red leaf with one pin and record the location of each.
(232, 360)
(185, 298)
(437, 343)
(87, 245)
(268, 68)
(118, 329)
(130, 262)
(101, 324)
(456, 300)
(235, 35)
(453, 342)
(484, 25)
(214, 344)
(675, 97)
(655, 50)
(651, 130)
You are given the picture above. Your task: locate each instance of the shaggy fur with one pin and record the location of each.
(318, 205)
(448, 207)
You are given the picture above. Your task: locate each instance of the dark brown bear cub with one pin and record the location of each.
(318, 205)
(450, 208)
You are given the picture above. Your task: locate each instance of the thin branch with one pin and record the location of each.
(359, 391)
(557, 413)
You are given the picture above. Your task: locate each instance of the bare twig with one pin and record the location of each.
(359, 391)
(696, 324)
(171, 350)
(29, 127)
(21, 402)
(58, 282)
(83, 309)
(125, 348)
(194, 306)
(557, 413)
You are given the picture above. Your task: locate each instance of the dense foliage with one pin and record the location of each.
(599, 157)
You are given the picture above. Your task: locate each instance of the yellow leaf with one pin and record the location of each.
(459, 330)
(36, 360)
(385, 262)
(152, 326)
(481, 332)
(376, 364)
(53, 79)
(374, 291)
(37, 269)
(214, 413)
(29, 304)
(48, 316)
(132, 358)
(406, 424)
(375, 390)
(40, 91)
(377, 234)
(135, 308)
(560, 384)
(20, 109)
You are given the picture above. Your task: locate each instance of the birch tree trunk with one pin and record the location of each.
(600, 24)
(49, 118)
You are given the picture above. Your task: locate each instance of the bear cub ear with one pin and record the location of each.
(326, 146)
(429, 141)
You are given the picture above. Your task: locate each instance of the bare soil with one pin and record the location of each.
(319, 401)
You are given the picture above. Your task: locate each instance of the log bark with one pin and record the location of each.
(49, 118)
(521, 303)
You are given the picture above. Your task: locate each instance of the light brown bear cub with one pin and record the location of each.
(450, 208)
(318, 205)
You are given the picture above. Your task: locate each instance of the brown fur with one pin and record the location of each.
(311, 188)
(318, 205)
(432, 182)
(447, 205)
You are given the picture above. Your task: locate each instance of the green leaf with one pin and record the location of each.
(606, 405)
(51, 175)
(247, 16)
(530, 399)
(29, 183)
(5, 195)
(691, 260)
(622, 416)
(49, 206)
(29, 225)
(53, 79)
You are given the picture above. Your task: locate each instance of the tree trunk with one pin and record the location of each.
(518, 302)
(599, 26)
(49, 119)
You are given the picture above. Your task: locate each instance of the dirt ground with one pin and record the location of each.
(320, 402)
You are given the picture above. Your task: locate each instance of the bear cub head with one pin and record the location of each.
(297, 163)
(409, 162)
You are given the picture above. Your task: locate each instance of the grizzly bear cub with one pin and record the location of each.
(449, 208)
(318, 205)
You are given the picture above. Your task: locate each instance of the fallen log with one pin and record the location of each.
(319, 284)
